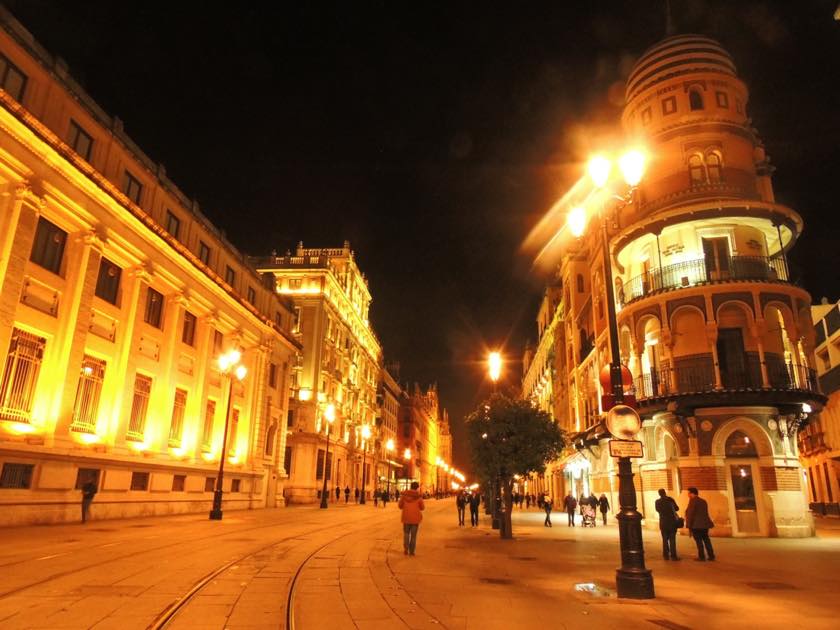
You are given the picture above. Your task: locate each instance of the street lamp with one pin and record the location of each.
(365, 438)
(389, 448)
(329, 416)
(231, 368)
(633, 580)
(494, 367)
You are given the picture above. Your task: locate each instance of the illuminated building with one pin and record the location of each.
(390, 394)
(116, 297)
(421, 424)
(819, 441)
(340, 366)
(717, 339)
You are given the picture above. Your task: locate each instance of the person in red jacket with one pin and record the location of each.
(411, 504)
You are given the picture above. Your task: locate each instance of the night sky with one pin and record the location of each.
(433, 136)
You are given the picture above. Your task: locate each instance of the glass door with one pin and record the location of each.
(730, 349)
(716, 255)
(743, 495)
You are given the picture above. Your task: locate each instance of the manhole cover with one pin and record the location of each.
(771, 586)
(496, 581)
(527, 558)
(664, 623)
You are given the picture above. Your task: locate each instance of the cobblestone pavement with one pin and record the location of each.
(348, 571)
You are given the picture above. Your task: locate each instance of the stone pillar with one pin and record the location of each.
(757, 332)
(203, 358)
(163, 387)
(711, 338)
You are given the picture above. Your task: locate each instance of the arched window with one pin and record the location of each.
(580, 283)
(270, 438)
(713, 167)
(739, 444)
(695, 100)
(696, 169)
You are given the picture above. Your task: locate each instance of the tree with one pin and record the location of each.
(510, 437)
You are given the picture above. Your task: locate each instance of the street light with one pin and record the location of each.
(231, 368)
(389, 448)
(633, 580)
(494, 367)
(329, 416)
(365, 438)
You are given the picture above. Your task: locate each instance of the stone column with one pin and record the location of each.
(203, 358)
(163, 387)
(757, 332)
(711, 339)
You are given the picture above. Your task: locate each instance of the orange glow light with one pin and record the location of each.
(577, 221)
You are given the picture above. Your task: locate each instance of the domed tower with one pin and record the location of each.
(715, 334)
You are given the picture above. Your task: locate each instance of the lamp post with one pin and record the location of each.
(494, 370)
(329, 417)
(230, 367)
(365, 438)
(633, 580)
(389, 448)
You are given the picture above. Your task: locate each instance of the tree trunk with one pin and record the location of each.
(506, 530)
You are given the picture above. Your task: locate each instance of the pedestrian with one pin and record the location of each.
(376, 497)
(356, 494)
(337, 493)
(397, 494)
(540, 502)
(582, 502)
(527, 501)
(570, 503)
(386, 496)
(547, 507)
(667, 509)
(88, 492)
(604, 505)
(461, 504)
(475, 502)
(698, 522)
(411, 504)
(347, 494)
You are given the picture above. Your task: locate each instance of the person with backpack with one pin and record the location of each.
(669, 523)
(570, 503)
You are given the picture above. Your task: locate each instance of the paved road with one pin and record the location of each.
(348, 571)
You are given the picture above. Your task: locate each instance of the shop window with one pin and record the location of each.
(48, 247)
(108, 281)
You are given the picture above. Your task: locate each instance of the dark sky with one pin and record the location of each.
(433, 135)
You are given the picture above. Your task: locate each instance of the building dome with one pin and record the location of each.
(675, 56)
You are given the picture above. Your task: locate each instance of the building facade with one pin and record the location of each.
(388, 463)
(421, 424)
(334, 387)
(116, 298)
(718, 340)
(819, 440)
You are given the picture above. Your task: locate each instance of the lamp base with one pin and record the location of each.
(216, 512)
(634, 583)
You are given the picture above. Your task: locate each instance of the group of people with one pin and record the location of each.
(697, 520)
(469, 499)
(588, 507)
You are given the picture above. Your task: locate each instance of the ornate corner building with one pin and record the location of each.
(718, 339)
(116, 297)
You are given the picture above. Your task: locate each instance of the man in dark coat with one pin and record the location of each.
(547, 507)
(337, 493)
(475, 501)
(88, 492)
(570, 503)
(699, 523)
(461, 504)
(346, 494)
(604, 505)
(667, 509)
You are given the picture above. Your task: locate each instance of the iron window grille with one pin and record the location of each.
(139, 407)
(16, 476)
(139, 481)
(20, 376)
(207, 432)
(176, 429)
(88, 392)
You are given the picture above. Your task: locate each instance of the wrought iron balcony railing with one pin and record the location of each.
(693, 272)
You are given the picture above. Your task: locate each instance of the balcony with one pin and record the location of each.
(696, 375)
(691, 273)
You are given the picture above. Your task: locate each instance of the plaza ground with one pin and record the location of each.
(349, 571)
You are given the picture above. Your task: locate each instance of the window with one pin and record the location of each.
(209, 484)
(108, 282)
(176, 427)
(290, 418)
(218, 342)
(203, 252)
(722, 99)
(139, 407)
(739, 107)
(272, 375)
(20, 375)
(154, 308)
(207, 431)
(270, 438)
(695, 100)
(296, 323)
(287, 461)
(80, 141)
(12, 79)
(278, 319)
(17, 476)
(132, 187)
(230, 275)
(669, 105)
(173, 224)
(713, 167)
(48, 247)
(86, 407)
(740, 445)
(83, 475)
(178, 483)
(252, 295)
(139, 481)
(579, 282)
(234, 430)
(646, 116)
(696, 169)
(188, 333)
(319, 466)
(235, 484)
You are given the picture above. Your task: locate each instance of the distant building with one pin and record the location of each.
(389, 461)
(819, 440)
(717, 339)
(421, 424)
(338, 373)
(116, 298)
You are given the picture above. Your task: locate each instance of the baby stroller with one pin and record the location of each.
(588, 514)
